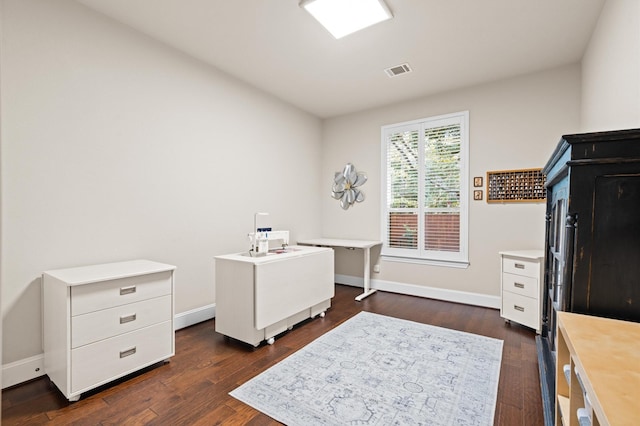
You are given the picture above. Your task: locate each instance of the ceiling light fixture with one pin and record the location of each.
(343, 17)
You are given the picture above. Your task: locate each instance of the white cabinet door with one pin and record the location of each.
(284, 288)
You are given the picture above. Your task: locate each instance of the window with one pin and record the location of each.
(425, 191)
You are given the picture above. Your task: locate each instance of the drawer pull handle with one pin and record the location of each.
(128, 318)
(127, 290)
(518, 308)
(519, 266)
(127, 352)
(519, 285)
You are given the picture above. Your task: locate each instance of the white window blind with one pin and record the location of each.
(425, 195)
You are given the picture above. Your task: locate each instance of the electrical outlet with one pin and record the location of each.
(376, 268)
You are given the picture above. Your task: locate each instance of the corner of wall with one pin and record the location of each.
(610, 98)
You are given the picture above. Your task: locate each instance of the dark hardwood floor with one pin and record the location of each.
(193, 388)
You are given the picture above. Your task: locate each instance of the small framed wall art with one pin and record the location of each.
(477, 194)
(477, 181)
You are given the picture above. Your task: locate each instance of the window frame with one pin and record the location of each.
(459, 259)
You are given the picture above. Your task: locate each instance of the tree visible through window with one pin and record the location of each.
(425, 201)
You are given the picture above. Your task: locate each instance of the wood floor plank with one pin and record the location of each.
(218, 416)
(531, 393)
(80, 413)
(192, 389)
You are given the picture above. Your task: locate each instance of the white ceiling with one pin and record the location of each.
(278, 47)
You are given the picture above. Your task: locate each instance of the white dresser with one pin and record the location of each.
(521, 288)
(102, 322)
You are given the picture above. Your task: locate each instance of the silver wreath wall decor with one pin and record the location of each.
(346, 186)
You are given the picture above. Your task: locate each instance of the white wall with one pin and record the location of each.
(1, 32)
(116, 147)
(611, 69)
(514, 124)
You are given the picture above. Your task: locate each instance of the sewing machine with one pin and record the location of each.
(263, 239)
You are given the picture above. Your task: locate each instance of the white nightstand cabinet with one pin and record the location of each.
(102, 322)
(521, 286)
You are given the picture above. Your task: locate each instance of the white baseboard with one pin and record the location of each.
(33, 367)
(22, 370)
(456, 296)
(30, 368)
(194, 316)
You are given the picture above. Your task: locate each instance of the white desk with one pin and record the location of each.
(364, 245)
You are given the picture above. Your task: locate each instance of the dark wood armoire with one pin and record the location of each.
(592, 253)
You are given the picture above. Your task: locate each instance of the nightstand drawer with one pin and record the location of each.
(526, 286)
(99, 325)
(520, 267)
(521, 309)
(107, 294)
(101, 362)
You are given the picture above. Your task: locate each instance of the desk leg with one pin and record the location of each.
(367, 279)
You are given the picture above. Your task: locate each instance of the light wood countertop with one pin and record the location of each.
(607, 354)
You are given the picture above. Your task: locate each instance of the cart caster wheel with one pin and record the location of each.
(322, 314)
(290, 328)
(75, 398)
(271, 340)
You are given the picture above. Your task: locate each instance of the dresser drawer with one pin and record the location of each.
(519, 284)
(106, 360)
(107, 294)
(521, 267)
(99, 325)
(521, 309)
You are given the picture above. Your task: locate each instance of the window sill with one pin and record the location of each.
(462, 264)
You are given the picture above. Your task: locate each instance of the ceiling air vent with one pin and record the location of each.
(397, 70)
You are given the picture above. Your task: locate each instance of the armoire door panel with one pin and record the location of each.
(616, 248)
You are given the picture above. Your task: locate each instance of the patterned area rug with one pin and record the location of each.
(378, 370)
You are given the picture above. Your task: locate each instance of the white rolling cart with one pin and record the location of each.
(260, 297)
(521, 273)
